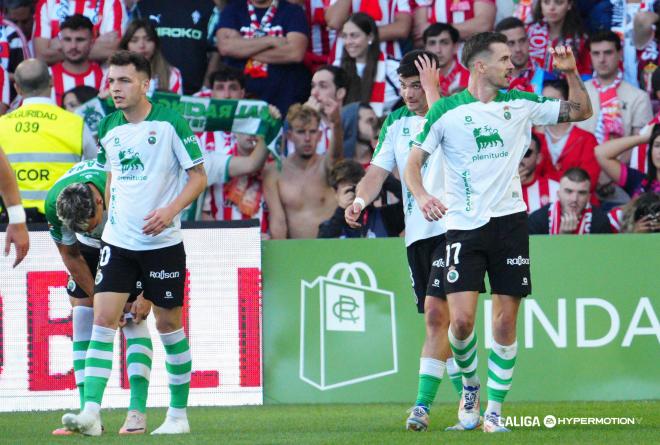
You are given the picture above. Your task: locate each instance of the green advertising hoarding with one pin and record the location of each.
(341, 326)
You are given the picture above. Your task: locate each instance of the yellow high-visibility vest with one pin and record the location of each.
(42, 141)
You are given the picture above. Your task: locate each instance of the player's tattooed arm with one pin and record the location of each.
(578, 106)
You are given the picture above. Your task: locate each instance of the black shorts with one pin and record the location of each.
(162, 271)
(427, 265)
(500, 247)
(91, 256)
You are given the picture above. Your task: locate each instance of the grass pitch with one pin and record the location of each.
(352, 424)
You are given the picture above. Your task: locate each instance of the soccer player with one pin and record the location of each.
(145, 148)
(425, 241)
(75, 211)
(17, 233)
(483, 134)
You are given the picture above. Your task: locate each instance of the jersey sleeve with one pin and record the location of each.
(384, 154)
(185, 145)
(216, 165)
(542, 110)
(430, 136)
(114, 18)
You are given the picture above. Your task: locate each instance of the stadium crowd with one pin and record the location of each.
(329, 68)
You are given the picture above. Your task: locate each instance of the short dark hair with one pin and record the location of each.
(576, 174)
(605, 35)
(346, 170)
(226, 73)
(438, 28)
(124, 57)
(478, 44)
(407, 66)
(339, 75)
(509, 23)
(75, 206)
(76, 22)
(558, 84)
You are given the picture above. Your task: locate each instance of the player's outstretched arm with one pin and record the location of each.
(77, 267)
(17, 233)
(431, 207)
(365, 192)
(159, 219)
(578, 106)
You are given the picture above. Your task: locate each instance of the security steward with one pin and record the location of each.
(41, 140)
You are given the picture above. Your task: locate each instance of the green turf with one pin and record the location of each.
(351, 424)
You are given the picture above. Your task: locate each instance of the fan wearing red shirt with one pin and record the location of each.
(107, 16)
(537, 190)
(442, 40)
(76, 36)
(469, 17)
(564, 145)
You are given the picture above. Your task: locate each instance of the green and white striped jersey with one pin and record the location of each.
(81, 173)
(394, 144)
(147, 161)
(483, 144)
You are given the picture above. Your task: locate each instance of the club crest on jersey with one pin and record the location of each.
(152, 138)
(452, 275)
(487, 137)
(468, 120)
(130, 160)
(507, 113)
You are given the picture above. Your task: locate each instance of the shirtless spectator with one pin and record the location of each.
(108, 25)
(299, 197)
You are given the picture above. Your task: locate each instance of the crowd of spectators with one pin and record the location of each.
(328, 68)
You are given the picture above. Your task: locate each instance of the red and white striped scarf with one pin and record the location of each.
(377, 101)
(538, 194)
(457, 79)
(615, 216)
(610, 118)
(254, 68)
(539, 42)
(322, 38)
(554, 220)
(639, 155)
(523, 81)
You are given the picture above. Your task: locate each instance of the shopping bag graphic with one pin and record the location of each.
(347, 328)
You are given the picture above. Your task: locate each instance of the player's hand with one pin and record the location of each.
(157, 221)
(17, 234)
(431, 207)
(352, 214)
(563, 58)
(429, 73)
(569, 222)
(124, 313)
(140, 308)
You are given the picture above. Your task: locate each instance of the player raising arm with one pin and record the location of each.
(483, 134)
